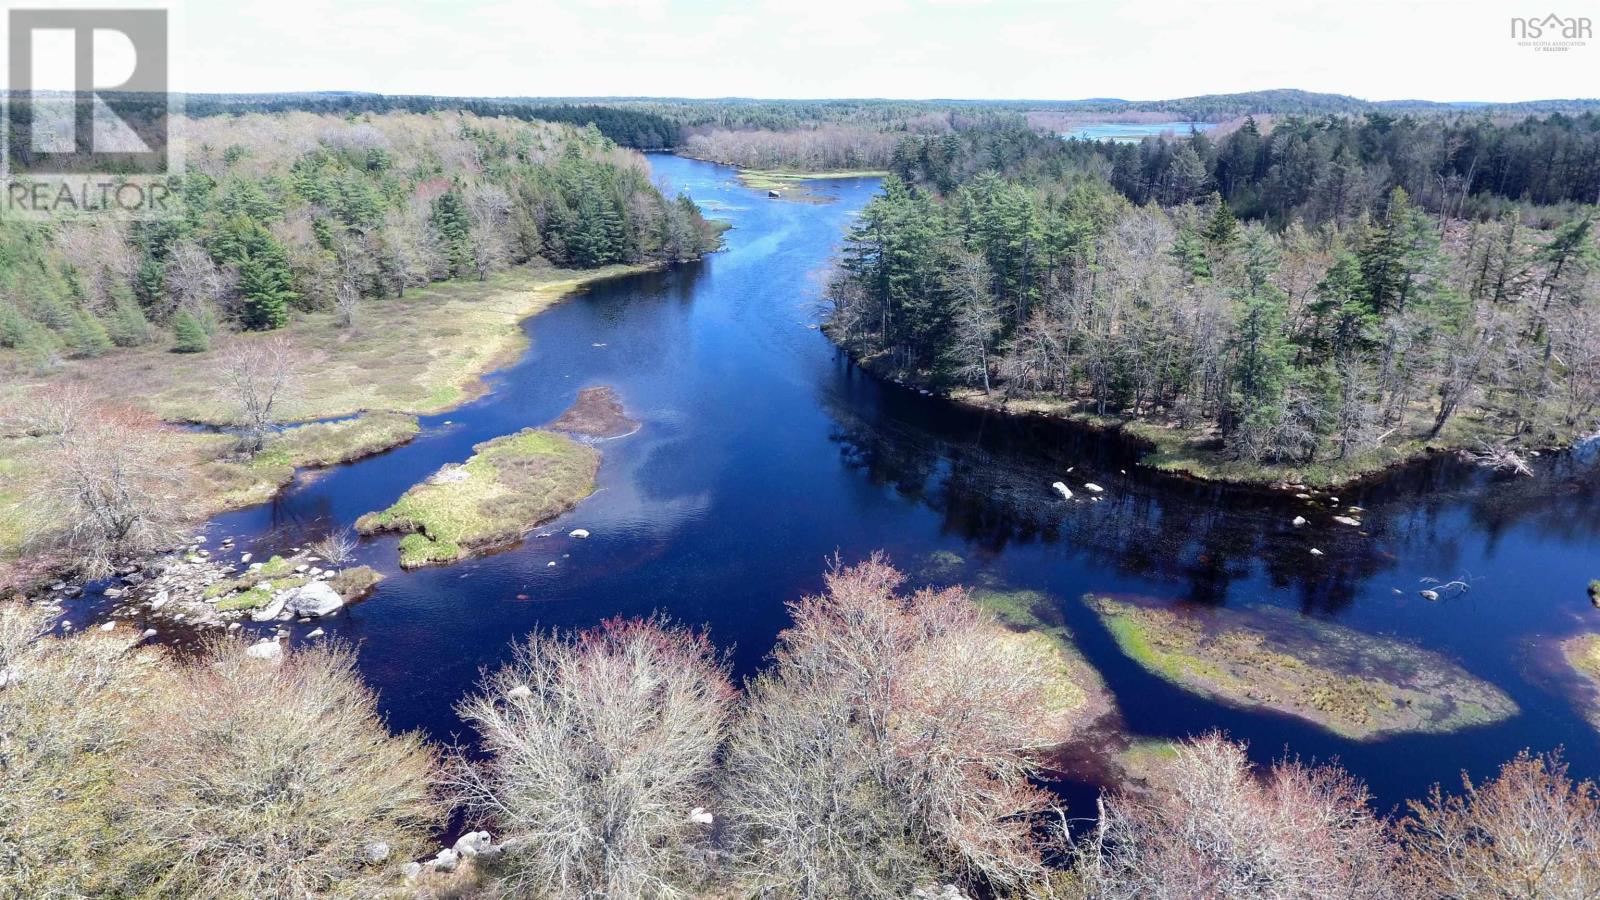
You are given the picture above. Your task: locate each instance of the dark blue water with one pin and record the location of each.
(762, 453)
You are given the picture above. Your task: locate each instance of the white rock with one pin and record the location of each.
(376, 852)
(271, 611)
(1093, 488)
(579, 532)
(1315, 552)
(1298, 521)
(550, 565)
(1063, 490)
(472, 843)
(162, 598)
(1430, 595)
(301, 569)
(315, 632)
(446, 860)
(8, 676)
(411, 869)
(244, 558)
(314, 599)
(264, 649)
(1346, 520)
(233, 626)
(109, 626)
(700, 817)
(149, 633)
(519, 692)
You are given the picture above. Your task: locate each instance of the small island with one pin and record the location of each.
(511, 485)
(1356, 685)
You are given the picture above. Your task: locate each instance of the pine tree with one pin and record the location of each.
(455, 231)
(127, 325)
(190, 333)
(88, 337)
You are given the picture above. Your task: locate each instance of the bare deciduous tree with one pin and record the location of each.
(257, 372)
(111, 486)
(1530, 832)
(1208, 827)
(890, 745)
(600, 748)
(276, 778)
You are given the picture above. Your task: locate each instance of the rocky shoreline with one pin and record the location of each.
(195, 588)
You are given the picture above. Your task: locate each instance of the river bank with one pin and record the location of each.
(424, 353)
(1199, 453)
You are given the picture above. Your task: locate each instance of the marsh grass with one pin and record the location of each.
(511, 485)
(1360, 686)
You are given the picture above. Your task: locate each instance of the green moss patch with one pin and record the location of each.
(509, 486)
(1357, 685)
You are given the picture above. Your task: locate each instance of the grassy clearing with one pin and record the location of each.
(422, 353)
(509, 486)
(1359, 686)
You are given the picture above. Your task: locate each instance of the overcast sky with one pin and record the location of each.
(1066, 49)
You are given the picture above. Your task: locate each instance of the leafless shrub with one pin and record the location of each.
(110, 487)
(889, 746)
(600, 747)
(337, 547)
(257, 372)
(1532, 831)
(1208, 827)
(271, 778)
(1498, 457)
(68, 709)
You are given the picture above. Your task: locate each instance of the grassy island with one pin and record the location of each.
(1356, 685)
(511, 485)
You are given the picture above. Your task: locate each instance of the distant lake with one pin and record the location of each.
(1134, 132)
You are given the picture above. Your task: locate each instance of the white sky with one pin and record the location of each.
(1036, 49)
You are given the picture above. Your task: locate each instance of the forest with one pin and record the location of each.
(1367, 286)
(297, 212)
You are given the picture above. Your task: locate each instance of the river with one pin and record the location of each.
(763, 452)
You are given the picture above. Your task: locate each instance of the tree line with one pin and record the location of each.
(628, 127)
(298, 212)
(890, 749)
(1012, 264)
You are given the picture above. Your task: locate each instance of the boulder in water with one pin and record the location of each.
(1063, 490)
(313, 599)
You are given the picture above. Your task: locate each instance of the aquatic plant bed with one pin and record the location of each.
(1583, 654)
(511, 485)
(1356, 685)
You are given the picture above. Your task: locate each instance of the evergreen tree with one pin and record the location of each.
(455, 231)
(127, 325)
(88, 337)
(190, 334)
